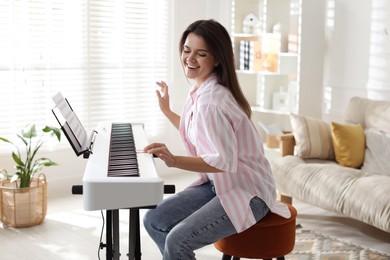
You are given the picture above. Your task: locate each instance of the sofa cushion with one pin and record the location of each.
(312, 137)
(325, 184)
(377, 153)
(368, 113)
(349, 144)
(318, 182)
(368, 200)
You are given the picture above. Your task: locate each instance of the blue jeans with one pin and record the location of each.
(191, 219)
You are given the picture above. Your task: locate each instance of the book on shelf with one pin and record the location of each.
(250, 55)
(260, 55)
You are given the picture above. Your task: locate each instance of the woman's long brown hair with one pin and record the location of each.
(220, 45)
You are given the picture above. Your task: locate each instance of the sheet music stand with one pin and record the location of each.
(72, 127)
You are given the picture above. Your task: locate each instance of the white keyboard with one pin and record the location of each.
(117, 192)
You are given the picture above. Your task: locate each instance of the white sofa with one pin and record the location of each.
(313, 167)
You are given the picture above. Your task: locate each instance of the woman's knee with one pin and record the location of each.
(149, 219)
(146, 221)
(178, 245)
(155, 220)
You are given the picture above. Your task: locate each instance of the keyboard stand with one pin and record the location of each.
(134, 235)
(112, 231)
(112, 234)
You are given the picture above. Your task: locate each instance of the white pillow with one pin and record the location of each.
(312, 137)
(377, 154)
(368, 113)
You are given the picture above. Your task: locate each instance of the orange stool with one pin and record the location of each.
(272, 237)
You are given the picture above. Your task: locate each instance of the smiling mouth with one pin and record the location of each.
(193, 67)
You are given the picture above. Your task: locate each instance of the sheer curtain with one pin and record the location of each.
(104, 56)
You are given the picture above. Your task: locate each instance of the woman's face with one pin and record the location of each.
(198, 62)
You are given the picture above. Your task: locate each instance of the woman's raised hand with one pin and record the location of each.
(163, 97)
(163, 101)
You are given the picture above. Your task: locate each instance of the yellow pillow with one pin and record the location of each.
(349, 144)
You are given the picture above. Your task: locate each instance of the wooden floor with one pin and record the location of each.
(69, 232)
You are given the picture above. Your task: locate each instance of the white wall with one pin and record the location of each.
(358, 54)
(347, 55)
(346, 73)
(311, 58)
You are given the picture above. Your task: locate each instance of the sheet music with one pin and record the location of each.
(71, 118)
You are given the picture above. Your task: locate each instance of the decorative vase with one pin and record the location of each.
(23, 207)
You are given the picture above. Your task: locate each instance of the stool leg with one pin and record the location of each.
(280, 258)
(226, 257)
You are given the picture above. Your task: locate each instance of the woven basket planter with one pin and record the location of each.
(23, 207)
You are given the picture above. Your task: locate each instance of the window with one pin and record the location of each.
(104, 56)
(378, 86)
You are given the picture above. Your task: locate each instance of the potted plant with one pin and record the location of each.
(23, 196)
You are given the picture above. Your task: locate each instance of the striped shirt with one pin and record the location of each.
(223, 136)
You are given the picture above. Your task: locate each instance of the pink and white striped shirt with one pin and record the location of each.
(226, 139)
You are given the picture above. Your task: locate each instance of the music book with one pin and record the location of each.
(72, 127)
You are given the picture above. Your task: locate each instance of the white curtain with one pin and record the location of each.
(104, 56)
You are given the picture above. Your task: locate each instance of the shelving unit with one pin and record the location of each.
(299, 73)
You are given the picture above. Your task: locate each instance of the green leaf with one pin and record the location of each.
(23, 140)
(42, 162)
(17, 159)
(47, 129)
(25, 165)
(56, 131)
(50, 163)
(5, 140)
(29, 131)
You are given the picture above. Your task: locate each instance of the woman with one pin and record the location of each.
(236, 187)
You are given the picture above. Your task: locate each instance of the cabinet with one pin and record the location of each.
(296, 83)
